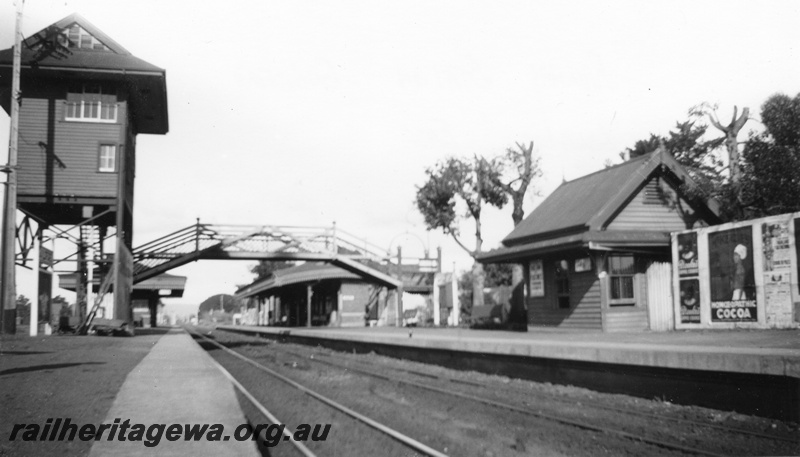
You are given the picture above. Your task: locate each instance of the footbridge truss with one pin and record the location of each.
(292, 243)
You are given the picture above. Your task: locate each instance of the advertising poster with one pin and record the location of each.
(732, 279)
(687, 254)
(690, 301)
(536, 286)
(777, 273)
(775, 241)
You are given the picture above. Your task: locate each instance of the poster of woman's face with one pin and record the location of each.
(731, 265)
(687, 254)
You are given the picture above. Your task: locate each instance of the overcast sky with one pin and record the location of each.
(305, 113)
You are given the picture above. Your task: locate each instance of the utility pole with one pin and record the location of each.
(8, 295)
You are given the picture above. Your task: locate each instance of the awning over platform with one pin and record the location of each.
(301, 274)
(165, 285)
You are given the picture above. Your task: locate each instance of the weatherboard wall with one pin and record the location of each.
(584, 296)
(654, 207)
(61, 158)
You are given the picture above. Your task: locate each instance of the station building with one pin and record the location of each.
(313, 295)
(597, 251)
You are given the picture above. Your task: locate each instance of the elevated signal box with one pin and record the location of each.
(84, 99)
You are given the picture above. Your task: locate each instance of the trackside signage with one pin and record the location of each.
(738, 275)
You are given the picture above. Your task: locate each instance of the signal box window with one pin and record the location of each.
(91, 103)
(621, 271)
(562, 284)
(108, 158)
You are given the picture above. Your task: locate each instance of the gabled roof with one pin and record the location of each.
(45, 51)
(592, 201)
(304, 273)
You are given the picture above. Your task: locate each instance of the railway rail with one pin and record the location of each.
(406, 440)
(467, 393)
(536, 395)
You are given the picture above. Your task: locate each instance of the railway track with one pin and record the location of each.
(409, 442)
(536, 395)
(664, 441)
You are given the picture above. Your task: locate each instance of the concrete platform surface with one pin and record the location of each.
(176, 383)
(772, 352)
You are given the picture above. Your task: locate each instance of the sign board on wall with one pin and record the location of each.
(583, 264)
(536, 283)
(741, 274)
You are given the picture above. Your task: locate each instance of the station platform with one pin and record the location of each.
(763, 352)
(177, 382)
(748, 371)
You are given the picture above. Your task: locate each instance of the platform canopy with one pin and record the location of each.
(164, 285)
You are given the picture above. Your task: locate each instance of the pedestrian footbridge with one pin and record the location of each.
(202, 241)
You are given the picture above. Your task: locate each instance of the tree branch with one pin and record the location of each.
(461, 245)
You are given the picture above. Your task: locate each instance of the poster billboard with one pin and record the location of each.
(687, 254)
(690, 301)
(746, 274)
(731, 276)
(777, 264)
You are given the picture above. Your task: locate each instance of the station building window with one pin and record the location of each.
(78, 38)
(91, 103)
(108, 158)
(621, 271)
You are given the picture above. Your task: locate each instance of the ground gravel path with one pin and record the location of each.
(63, 376)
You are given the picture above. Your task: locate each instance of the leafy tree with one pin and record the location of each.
(516, 170)
(471, 182)
(771, 168)
(702, 159)
(24, 309)
(496, 274)
(763, 180)
(685, 142)
(265, 268)
(229, 303)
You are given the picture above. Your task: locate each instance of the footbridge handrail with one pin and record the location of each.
(266, 242)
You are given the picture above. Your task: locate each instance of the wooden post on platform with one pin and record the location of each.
(399, 291)
(8, 292)
(309, 295)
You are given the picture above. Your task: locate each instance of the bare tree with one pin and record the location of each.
(731, 132)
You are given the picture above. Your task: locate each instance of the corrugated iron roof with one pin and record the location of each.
(573, 204)
(307, 272)
(590, 202)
